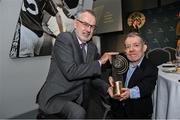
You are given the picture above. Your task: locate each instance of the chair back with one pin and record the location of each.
(172, 52)
(158, 56)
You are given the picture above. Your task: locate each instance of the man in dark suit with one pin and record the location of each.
(75, 62)
(139, 82)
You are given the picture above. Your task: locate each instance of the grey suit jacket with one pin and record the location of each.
(68, 71)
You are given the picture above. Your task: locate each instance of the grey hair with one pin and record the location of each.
(83, 11)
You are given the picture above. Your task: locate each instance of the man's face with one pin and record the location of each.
(85, 26)
(134, 49)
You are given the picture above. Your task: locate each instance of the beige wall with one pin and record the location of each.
(20, 79)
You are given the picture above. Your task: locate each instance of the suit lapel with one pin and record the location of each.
(78, 48)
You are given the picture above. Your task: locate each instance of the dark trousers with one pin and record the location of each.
(70, 110)
(118, 111)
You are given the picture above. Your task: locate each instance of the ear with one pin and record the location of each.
(144, 47)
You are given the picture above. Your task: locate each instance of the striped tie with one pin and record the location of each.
(83, 51)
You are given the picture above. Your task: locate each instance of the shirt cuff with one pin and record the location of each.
(100, 63)
(134, 92)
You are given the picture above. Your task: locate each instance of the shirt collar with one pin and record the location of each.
(79, 41)
(134, 66)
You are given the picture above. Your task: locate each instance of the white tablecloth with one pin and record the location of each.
(166, 98)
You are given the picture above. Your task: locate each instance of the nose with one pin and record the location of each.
(131, 48)
(89, 29)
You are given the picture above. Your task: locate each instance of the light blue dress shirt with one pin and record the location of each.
(134, 92)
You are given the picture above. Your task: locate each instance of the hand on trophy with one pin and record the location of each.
(111, 89)
(124, 92)
(107, 56)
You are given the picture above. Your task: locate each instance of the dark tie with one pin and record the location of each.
(83, 51)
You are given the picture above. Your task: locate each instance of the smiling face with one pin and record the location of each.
(135, 48)
(84, 26)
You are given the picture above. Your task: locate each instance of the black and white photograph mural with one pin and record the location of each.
(39, 22)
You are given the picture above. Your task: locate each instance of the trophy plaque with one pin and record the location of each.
(119, 66)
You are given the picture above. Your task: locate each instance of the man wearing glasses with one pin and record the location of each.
(74, 63)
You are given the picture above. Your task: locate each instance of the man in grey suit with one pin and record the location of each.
(63, 92)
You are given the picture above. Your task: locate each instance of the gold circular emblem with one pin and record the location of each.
(136, 17)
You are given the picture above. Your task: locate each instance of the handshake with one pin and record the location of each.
(107, 56)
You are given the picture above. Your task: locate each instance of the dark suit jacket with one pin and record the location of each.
(68, 72)
(144, 77)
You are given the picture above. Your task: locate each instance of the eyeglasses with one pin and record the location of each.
(87, 24)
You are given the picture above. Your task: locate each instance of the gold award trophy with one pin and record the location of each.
(119, 66)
